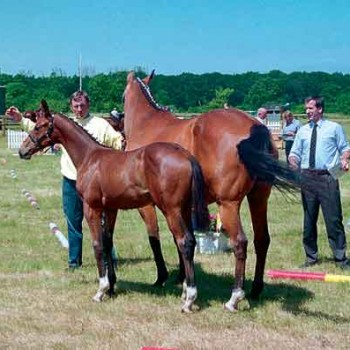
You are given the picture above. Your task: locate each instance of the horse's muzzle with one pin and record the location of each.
(24, 154)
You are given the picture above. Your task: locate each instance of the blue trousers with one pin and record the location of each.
(74, 213)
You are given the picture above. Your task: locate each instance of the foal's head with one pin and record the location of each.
(40, 137)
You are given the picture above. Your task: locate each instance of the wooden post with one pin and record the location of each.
(4, 125)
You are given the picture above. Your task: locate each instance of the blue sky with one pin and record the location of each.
(174, 36)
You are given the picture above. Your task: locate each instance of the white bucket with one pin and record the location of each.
(211, 243)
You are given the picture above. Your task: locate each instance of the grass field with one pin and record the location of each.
(44, 306)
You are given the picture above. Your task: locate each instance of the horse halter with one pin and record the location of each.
(38, 141)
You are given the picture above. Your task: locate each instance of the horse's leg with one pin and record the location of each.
(258, 199)
(149, 216)
(94, 220)
(186, 243)
(229, 214)
(181, 274)
(108, 223)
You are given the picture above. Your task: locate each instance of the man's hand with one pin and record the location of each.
(14, 114)
(293, 162)
(345, 160)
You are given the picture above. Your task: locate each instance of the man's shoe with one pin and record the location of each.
(73, 267)
(308, 264)
(344, 265)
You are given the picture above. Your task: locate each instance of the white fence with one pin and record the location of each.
(15, 138)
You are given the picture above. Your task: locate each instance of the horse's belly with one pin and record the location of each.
(127, 202)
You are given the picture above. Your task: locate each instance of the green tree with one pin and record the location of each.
(264, 91)
(222, 96)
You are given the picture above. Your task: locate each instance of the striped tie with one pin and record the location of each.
(312, 159)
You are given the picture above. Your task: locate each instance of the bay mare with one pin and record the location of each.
(238, 160)
(160, 174)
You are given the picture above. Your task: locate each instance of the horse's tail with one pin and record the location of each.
(200, 213)
(257, 154)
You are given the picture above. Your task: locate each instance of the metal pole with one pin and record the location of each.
(80, 74)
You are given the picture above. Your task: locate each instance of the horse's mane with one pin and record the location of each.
(147, 93)
(70, 120)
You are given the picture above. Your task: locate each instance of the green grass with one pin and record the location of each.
(44, 306)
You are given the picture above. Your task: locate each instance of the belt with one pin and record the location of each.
(315, 171)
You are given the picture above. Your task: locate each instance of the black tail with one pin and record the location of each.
(255, 153)
(200, 213)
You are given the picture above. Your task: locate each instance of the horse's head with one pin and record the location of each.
(40, 137)
(132, 83)
(136, 87)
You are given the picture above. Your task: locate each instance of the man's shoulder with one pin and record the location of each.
(331, 124)
(98, 120)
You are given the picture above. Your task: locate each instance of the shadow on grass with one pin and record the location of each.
(217, 288)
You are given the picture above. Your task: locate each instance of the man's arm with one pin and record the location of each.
(14, 114)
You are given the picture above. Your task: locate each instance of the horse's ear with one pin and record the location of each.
(45, 108)
(130, 77)
(149, 78)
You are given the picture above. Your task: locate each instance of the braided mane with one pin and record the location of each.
(70, 120)
(147, 93)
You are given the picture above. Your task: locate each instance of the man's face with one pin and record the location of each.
(80, 107)
(262, 113)
(313, 113)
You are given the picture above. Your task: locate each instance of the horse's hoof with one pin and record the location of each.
(161, 279)
(97, 298)
(186, 310)
(257, 288)
(111, 293)
(158, 283)
(230, 308)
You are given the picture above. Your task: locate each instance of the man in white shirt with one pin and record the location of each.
(72, 203)
(261, 115)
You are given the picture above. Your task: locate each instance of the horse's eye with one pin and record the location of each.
(36, 128)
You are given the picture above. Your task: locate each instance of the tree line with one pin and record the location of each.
(184, 93)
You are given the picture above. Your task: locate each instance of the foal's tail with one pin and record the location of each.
(257, 154)
(200, 213)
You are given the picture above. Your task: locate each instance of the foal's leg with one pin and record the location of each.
(149, 216)
(257, 200)
(108, 223)
(229, 214)
(94, 217)
(186, 243)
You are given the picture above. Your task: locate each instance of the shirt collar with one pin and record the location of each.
(319, 123)
(83, 120)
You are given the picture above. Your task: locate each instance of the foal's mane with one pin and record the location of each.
(147, 93)
(70, 120)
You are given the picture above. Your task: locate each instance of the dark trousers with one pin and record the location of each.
(74, 213)
(322, 191)
(288, 146)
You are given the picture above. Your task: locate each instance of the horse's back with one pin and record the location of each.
(212, 138)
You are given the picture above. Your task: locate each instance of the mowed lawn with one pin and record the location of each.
(44, 306)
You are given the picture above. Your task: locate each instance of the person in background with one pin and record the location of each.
(72, 203)
(289, 131)
(319, 146)
(262, 115)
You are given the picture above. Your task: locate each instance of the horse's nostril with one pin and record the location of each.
(24, 155)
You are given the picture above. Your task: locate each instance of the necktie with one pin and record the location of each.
(312, 159)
